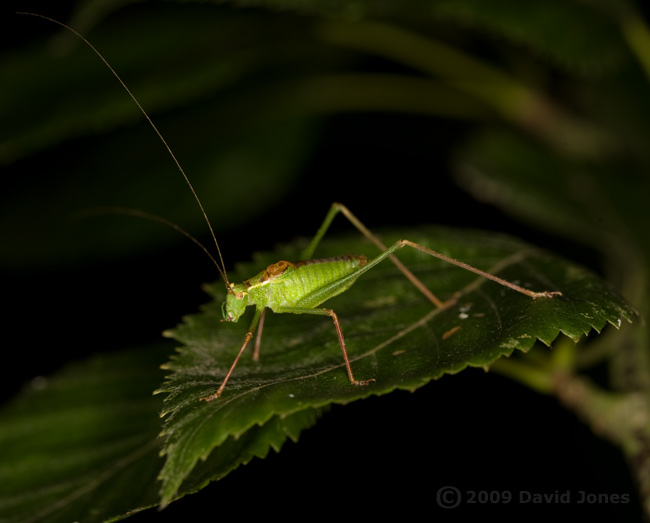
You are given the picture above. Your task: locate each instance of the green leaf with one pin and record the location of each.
(239, 450)
(393, 335)
(83, 446)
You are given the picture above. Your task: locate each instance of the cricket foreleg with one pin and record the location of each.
(339, 332)
(249, 335)
(339, 207)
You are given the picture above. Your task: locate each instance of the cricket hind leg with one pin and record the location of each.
(339, 207)
(408, 243)
(388, 253)
(532, 294)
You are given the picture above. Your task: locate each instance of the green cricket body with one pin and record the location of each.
(286, 285)
(294, 288)
(298, 288)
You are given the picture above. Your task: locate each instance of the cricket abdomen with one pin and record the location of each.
(311, 282)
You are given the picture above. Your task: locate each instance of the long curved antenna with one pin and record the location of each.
(222, 268)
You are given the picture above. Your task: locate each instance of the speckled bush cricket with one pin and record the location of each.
(301, 287)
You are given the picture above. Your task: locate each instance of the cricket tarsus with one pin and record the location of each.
(298, 288)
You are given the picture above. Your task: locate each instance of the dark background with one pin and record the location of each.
(389, 455)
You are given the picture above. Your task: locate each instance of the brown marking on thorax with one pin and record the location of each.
(271, 272)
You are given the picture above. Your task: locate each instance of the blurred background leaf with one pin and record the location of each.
(82, 445)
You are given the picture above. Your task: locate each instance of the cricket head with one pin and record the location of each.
(236, 302)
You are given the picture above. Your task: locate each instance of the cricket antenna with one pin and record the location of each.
(222, 268)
